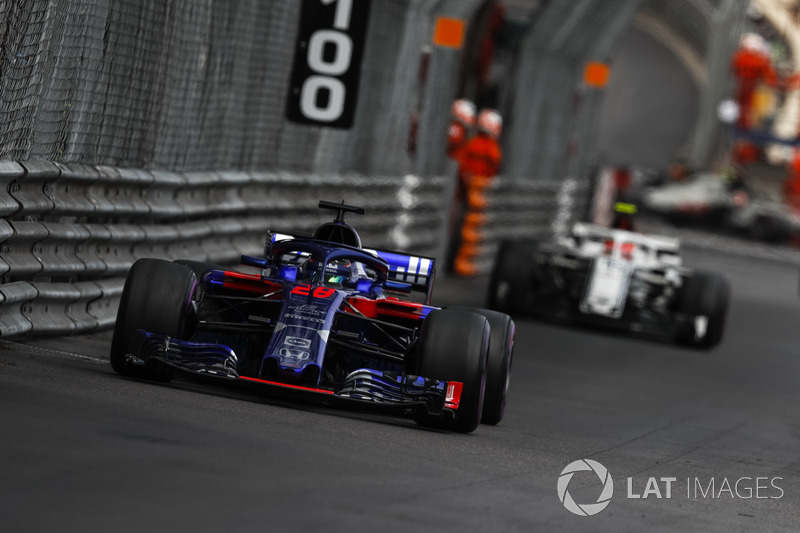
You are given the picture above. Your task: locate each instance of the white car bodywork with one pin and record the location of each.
(708, 194)
(702, 192)
(619, 257)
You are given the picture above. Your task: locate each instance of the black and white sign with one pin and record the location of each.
(327, 62)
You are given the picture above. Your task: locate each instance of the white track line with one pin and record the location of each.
(49, 351)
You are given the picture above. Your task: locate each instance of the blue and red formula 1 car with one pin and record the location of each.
(325, 318)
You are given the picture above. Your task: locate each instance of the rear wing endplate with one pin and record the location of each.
(416, 270)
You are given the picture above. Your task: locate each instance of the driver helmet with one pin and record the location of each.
(344, 271)
(338, 272)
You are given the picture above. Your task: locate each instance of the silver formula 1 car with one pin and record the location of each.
(611, 278)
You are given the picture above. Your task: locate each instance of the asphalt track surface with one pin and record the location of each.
(85, 450)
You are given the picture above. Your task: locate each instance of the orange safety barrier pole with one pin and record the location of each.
(471, 234)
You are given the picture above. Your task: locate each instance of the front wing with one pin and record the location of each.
(364, 386)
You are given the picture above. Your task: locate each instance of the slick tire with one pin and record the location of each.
(512, 284)
(498, 363)
(454, 347)
(769, 230)
(704, 295)
(157, 298)
(198, 267)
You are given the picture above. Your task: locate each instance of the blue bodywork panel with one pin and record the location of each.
(301, 333)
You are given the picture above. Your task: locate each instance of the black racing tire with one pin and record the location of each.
(708, 295)
(498, 363)
(512, 284)
(157, 297)
(198, 267)
(769, 230)
(454, 347)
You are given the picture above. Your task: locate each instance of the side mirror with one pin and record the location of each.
(289, 273)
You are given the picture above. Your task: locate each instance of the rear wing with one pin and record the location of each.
(662, 243)
(415, 270)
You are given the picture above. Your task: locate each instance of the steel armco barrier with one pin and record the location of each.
(529, 209)
(69, 232)
(10, 172)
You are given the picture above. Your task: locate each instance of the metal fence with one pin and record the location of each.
(549, 111)
(714, 28)
(202, 84)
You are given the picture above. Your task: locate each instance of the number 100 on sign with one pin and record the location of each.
(327, 62)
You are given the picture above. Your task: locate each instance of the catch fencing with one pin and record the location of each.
(192, 85)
